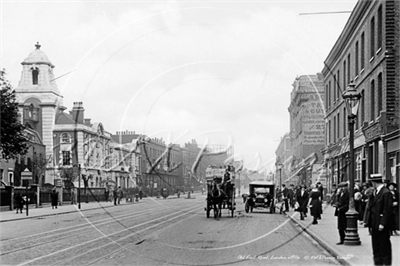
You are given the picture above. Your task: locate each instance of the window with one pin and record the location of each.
(338, 91)
(330, 92)
(338, 128)
(379, 92)
(66, 157)
(334, 129)
(329, 132)
(344, 77)
(362, 55)
(35, 76)
(348, 69)
(334, 88)
(65, 138)
(372, 100)
(356, 60)
(327, 97)
(372, 36)
(344, 122)
(380, 28)
(362, 108)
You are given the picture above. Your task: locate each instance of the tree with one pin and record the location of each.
(12, 139)
(68, 176)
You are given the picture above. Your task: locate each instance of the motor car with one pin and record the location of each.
(261, 196)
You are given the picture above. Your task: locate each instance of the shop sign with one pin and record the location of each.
(373, 132)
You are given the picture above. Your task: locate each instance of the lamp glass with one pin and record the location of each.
(352, 98)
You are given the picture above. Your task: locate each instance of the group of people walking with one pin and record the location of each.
(303, 199)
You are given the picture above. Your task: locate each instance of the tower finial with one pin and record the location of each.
(37, 45)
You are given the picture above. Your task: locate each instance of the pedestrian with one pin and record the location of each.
(120, 195)
(334, 195)
(285, 194)
(19, 202)
(115, 195)
(342, 206)
(392, 188)
(302, 199)
(291, 196)
(369, 194)
(381, 210)
(54, 199)
(321, 190)
(72, 195)
(106, 194)
(140, 193)
(315, 204)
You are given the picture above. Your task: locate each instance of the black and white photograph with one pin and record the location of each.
(199, 132)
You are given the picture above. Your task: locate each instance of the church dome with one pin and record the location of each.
(37, 57)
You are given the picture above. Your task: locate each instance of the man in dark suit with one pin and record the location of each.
(342, 206)
(379, 224)
(302, 200)
(291, 196)
(285, 194)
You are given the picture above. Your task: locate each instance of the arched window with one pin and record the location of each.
(35, 76)
(65, 138)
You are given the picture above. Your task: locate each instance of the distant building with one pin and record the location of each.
(306, 131)
(284, 156)
(69, 138)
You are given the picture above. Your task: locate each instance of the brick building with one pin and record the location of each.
(367, 53)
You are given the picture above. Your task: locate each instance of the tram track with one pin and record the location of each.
(92, 244)
(42, 237)
(120, 245)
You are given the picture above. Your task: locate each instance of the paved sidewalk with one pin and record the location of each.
(46, 210)
(327, 235)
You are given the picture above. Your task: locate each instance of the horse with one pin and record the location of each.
(216, 199)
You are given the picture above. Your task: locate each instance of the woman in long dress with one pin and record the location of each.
(315, 204)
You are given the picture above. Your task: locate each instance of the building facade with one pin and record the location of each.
(284, 157)
(367, 54)
(303, 166)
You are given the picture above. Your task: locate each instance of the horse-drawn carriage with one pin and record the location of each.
(220, 191)
(261, 195)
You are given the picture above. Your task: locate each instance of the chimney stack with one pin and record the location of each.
(77, 112)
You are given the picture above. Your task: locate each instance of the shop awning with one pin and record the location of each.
(296, 173)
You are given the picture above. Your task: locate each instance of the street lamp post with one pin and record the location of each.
(352, 97)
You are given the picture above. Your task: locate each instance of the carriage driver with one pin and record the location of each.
(226, 184)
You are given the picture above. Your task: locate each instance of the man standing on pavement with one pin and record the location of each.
(342, 206)
(381, 209)
(115, 195)
(321, 190)
(285, 193)
(120, 195)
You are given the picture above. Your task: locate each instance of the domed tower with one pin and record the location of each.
(39, 98)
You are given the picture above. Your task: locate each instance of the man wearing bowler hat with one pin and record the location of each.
(342, 206)
(380, 208)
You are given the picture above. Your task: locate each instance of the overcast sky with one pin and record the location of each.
(216, 71)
